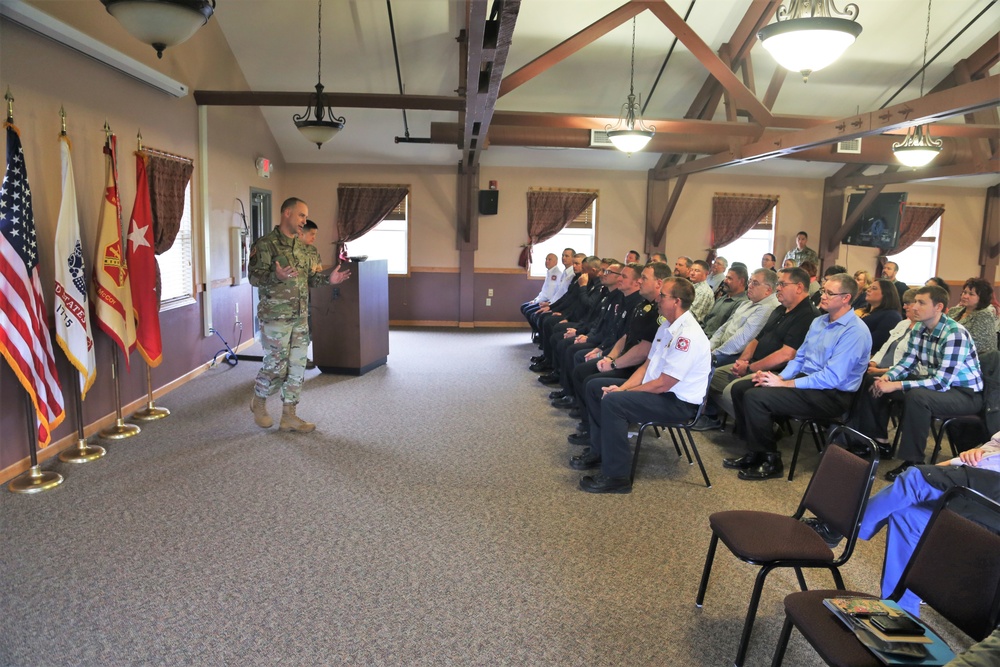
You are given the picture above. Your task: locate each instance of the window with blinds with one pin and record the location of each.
(919, 262)
(388, 240)
(177, 264)
(757, 241)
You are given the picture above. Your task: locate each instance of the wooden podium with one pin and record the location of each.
(350, 321)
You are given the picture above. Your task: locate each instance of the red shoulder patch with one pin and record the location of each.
(683, 344)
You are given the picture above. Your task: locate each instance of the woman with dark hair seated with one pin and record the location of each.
(937, 280)
(973, 313)
(882, 312)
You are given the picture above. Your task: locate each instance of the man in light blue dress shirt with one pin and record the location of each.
(818, 382)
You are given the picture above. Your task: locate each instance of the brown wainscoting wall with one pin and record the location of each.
(430, 296)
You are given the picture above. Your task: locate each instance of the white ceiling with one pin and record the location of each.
(274, 42)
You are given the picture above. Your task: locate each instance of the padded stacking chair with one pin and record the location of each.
(837, 495)
(961, 583)
(680, 433)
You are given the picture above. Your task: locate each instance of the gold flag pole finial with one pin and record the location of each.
(62, 118)
(107, 131)
(10, 105)
(138, 141)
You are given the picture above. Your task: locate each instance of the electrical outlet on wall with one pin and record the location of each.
(489, 292)
(489, 301)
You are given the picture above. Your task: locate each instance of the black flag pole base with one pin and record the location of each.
(84, 452)
(119, 431)
(150, 413)
(35, 480)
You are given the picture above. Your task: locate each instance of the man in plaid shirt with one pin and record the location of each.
(953, 383)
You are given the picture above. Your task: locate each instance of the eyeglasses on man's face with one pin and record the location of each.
(828, 293)
(609, 272)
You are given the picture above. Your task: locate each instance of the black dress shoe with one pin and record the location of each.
(585, 462)
(557, 394)
(583, 427)
(580, 439)
(896, 472)
(549, 379)
(748, 460)
(769, 468)
(540, 367)
(565, 403)
(538, 357)
(576, 413)
(706, 423)
(884, 450)
(823, 529)
(602, 484)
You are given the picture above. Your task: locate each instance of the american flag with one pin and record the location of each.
(24, 330)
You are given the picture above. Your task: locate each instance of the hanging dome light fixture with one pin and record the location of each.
(319, 124)
(919, 147)
(161, 23)
(809, 35)
(624, 134)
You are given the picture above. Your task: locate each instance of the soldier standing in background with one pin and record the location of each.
(283, 268)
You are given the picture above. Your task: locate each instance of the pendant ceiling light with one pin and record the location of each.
(161, 23)
(318, 124)
(810, 34)
(629, 134)
(919, 147)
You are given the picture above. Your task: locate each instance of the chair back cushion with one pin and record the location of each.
(838, 489)
(956, 570)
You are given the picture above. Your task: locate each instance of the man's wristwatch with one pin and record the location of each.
(614, 366)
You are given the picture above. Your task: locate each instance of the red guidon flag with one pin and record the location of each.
(24, 326)
(142, 270)
(112, 295)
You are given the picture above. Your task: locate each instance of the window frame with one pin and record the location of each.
(538, 256)
(183, 244)
(771, 218)
(407, 219)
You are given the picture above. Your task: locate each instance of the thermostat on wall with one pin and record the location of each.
(263, 167)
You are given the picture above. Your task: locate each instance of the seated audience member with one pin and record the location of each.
(906, 507)
(952, 383)
(789, 264)
(585, 308)
(818, 382)
(863, 279)
(569, 296)
(813, 271)
(602, 338)
(892, 351)
(668, 386)
(703, 296)
(735, 294)
(974, 313)
(627, 353)
(801, 253)
(550, 285)
(717, 273)
(682, 267)
(881, 313)
(581, 337)
(747, 320)
(769, 262)
(834, 270)
(576, 298)
(937, 280)
(889, 271)
(658, 257)
(632, 256)
(774, 346)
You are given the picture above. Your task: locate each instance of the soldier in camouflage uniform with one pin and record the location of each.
(283, 268)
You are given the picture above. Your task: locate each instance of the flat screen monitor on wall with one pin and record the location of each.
(878, 226)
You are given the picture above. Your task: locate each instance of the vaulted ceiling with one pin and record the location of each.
(550, 88)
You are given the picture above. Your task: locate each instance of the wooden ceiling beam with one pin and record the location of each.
(564, 49)
(247, 98)
(930, 173)
(711, 61)
(955, 101)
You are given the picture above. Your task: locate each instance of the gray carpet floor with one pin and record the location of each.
(430, 520)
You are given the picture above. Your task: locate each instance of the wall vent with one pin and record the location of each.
(852, 146)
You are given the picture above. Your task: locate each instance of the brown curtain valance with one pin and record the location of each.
(361, 207)
(917, 219)
(734, 215)
(548, 214)
(169, 176)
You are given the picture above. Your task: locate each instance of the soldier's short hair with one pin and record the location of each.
(309, 226)
(290, 202)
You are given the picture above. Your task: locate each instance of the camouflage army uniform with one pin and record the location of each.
(283, 312)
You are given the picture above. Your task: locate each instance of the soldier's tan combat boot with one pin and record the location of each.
(258, 406)
(289, 422)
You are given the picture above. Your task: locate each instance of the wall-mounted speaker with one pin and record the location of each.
(488, 202)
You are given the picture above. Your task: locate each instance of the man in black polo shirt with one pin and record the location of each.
(628, 353)
(774, 346)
